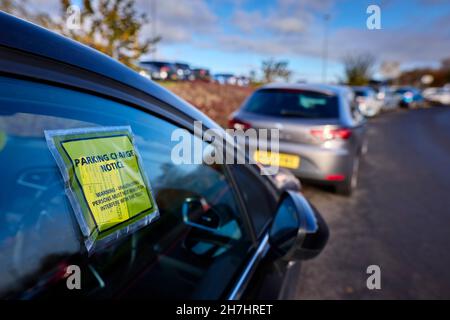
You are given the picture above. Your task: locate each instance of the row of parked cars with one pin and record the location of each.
(177, 71)
(372, 101)
(438, 95)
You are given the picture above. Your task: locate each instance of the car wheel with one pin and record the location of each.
(349, 185)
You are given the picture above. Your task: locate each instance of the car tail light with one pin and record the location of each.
(235, 123)
(335, 177)
(330, 134)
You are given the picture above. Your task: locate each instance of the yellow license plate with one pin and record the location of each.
(277, 159)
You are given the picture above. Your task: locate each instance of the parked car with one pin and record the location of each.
(439, 96)
(322, 132)
(367, 101)
(410, 97)
(221, 230)
(387, 98)
(160, 70)
(225, 78)
(184, 71)
(243, 81)
(391, 100)
(202, 74)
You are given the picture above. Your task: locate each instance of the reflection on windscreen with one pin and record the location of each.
(32, 197)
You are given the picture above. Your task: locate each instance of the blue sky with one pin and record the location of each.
(236, 35)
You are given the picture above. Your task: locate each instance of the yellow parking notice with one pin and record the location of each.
(105, 178)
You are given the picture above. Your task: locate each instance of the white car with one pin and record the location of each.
(367, 101)
(438, 95)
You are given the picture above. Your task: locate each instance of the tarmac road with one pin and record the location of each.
(398, 219)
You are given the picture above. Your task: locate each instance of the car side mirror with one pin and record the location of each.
(298, 231)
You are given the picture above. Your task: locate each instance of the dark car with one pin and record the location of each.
(224, 231)
(202, 74)
(184, 71)
(410, 97)
(160, 70)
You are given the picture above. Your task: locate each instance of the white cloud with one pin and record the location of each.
(177, 21)
(287, 25)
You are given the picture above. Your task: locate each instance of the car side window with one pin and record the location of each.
(201, 231)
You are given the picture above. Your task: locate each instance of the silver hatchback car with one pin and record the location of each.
(321, 130)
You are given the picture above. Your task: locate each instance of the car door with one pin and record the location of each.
(178, 256)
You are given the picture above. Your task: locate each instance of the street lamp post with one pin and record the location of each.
(153, 25)
(326, 18)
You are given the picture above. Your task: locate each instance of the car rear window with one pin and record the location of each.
(293, 103)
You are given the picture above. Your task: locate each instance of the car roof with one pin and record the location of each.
(322, 88)
(31, 38)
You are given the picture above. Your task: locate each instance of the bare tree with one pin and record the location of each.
(273, 70)
(358, 68)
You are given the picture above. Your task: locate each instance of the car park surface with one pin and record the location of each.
(397, 219)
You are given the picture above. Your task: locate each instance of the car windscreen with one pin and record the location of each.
(294, 103)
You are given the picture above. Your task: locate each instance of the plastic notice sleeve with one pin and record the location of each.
(104, 180)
